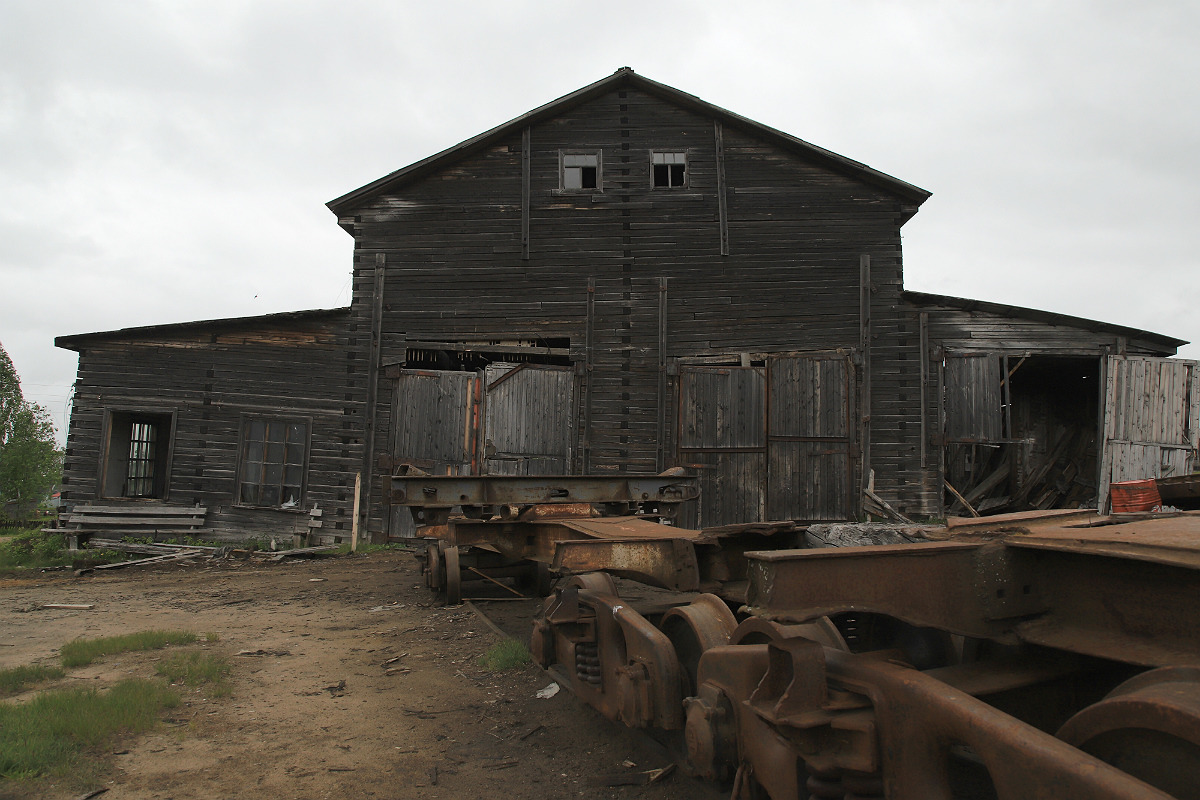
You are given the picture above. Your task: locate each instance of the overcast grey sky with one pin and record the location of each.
(170, 161)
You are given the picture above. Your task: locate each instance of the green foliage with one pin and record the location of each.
(195, 668)
(16, 679)
(505, 655)
(80, 652)
(34, 549)
(51, 734)
(30, 461)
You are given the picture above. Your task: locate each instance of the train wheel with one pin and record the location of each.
(704, 623)
(435, 567)
(599, 582)
(1149, 727)
(453, 577)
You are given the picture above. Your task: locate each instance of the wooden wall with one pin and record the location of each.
(642, 270)
(208, 378)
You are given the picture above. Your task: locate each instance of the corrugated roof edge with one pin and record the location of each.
(74, 341)
(625, 75)
(1054, 318)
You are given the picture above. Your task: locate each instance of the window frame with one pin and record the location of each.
(115, 455)
(244, 441)
(687, 173)
(562, 171)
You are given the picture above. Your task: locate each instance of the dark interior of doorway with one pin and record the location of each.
(472, 356)
(1048, 455)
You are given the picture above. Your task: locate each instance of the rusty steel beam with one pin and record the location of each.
(665, 563)
(494, 491)
(968, 588)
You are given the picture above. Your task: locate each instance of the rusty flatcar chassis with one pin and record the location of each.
(1057, 661)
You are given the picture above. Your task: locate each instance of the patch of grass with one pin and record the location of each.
(32, 549)
(365, 548)
(84, 651)
(212, 637)
(17, 679)
(505, 655)
(194, 669)
(54, 733)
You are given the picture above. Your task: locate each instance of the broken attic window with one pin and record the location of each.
(668, 170)
(580, 170)
(272, 461)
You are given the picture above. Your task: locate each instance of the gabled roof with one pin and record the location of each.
(1048, 317)
(627, 78)
(78, 340)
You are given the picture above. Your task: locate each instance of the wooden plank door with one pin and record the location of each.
(722, 434)
(434, 428)
(528, 423)
(1151, 420)
(810, 457)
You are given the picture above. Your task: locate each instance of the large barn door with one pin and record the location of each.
(527, 423)
(433, 428)
(809, 437)
(722, 434)
(973, 426)
(1151, 420)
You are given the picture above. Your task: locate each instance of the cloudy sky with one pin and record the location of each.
(170, 161)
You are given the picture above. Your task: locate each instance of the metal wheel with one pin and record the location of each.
(599, 582)
(702, 624)
(435, 568)
(1149, 727)
(453, 577)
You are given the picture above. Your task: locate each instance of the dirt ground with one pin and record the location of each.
(416, 716)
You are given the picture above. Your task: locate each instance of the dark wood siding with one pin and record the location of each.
(451, 247)
(209, 381)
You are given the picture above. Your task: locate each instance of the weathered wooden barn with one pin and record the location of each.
(624, 280)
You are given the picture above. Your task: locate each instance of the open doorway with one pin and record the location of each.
(137, 454)
(1020, 432)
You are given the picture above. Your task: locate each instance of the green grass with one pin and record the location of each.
(16, 679)
(195, 669)
(81, 652)
(21, 547)
(65, 733)
(505, 655)
(55, 732)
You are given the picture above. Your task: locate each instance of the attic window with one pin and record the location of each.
(580, 171)
(668, 170)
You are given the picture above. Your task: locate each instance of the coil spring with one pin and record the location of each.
(862, 786)
(587, 662)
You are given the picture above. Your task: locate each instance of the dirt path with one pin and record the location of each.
(417, 716)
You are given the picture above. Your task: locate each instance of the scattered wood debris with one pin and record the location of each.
(633, 779)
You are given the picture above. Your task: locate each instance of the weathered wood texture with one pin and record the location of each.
(454, 248)
(1152, 419)
(206, 379)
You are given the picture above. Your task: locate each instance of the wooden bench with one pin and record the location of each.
(150, 521)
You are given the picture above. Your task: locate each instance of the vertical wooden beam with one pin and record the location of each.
(374, 356)
(357, 506)
(923, 327)
(722, 203)
(661, 457)
(589, 358)
(940, 357)
(525, 157)
(864, 343)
